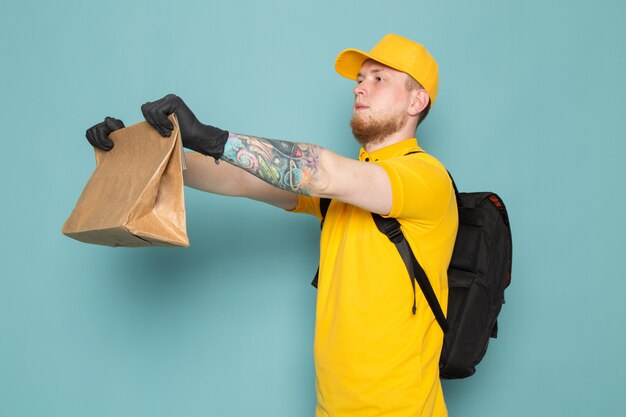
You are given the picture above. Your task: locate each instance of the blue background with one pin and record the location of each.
(531, 105)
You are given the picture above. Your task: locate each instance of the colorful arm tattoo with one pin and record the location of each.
(286, 165)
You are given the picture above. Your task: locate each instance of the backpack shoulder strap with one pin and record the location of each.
(390, 227)
(459, 202)
(324, 204)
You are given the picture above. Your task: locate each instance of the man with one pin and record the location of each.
(377, 344)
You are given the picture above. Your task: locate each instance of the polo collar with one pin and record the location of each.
(391, 151)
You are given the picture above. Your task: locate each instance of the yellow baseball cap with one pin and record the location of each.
(398, 53)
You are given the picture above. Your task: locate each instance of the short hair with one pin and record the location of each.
(412, 84)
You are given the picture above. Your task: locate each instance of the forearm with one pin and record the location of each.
(289, 166)
(204, 174)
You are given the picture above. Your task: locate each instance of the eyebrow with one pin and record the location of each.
(374, 71)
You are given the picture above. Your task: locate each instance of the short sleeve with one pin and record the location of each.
(308, 205)
(421, 187)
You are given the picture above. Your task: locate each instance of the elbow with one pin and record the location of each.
(320, 186)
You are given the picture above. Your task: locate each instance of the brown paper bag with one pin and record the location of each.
(135, 195)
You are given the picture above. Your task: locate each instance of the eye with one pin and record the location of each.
(379, 78)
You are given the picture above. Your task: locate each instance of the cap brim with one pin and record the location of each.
(349, 62)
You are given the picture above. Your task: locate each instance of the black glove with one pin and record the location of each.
(207, 140)
(98, 135)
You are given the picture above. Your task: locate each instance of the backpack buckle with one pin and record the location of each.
(394, 233)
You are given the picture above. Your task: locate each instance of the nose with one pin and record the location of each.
(360, 89)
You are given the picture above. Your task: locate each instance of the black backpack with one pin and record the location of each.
(479, 272)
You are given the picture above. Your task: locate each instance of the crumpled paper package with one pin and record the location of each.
(135, 196)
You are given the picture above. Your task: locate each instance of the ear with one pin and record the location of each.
(419, 101)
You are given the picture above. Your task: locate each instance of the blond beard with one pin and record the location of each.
(367, 130)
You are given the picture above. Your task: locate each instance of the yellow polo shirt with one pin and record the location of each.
(373, 357)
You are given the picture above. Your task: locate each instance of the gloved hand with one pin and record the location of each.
(98, 135)
(207, 140)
